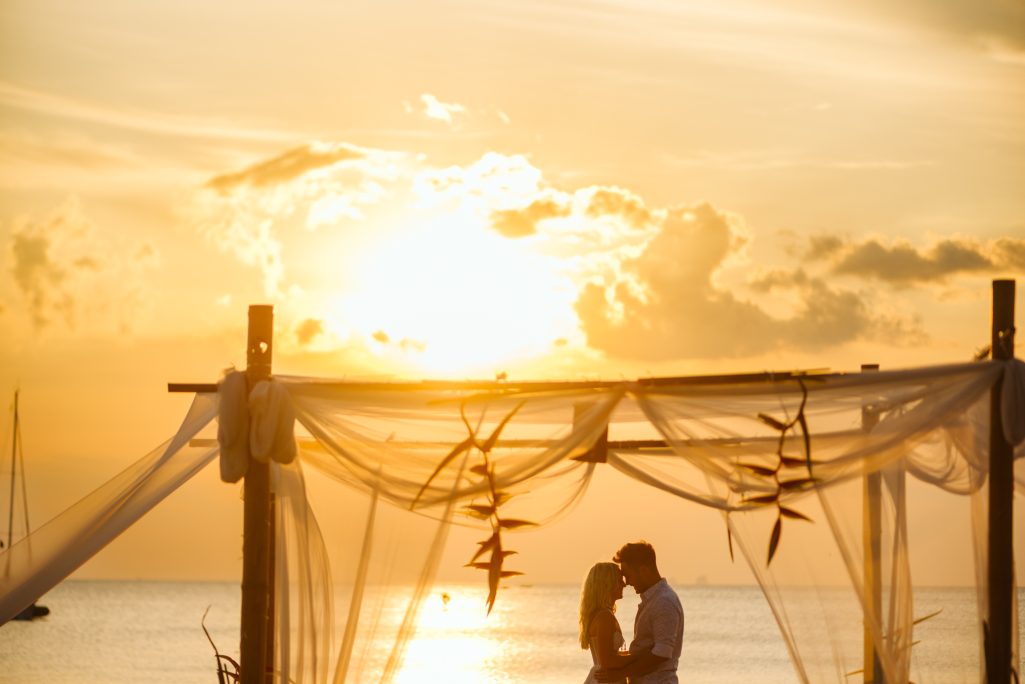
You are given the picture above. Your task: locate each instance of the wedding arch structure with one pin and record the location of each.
(759, 448)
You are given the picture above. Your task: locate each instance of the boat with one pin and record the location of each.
(34, 610)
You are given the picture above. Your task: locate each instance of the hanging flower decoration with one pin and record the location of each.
(491, 510)
(792, 484)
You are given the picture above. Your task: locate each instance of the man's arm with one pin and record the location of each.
(665, 626)
(645, 663)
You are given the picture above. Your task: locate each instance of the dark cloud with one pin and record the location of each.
(286, 167)
(902, 264)
(38, 277)
(307, 330)
(667, 307)
(516, 223)
(618, 202)
(67, 270)
(823, 246)
(1010, 254)
(1000, 21)
(780, 279)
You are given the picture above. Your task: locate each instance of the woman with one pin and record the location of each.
(599, 629)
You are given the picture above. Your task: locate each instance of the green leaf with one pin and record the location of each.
(513, 523)
(758, 470)
(777, 529)
(791, 513)
(456, 450)
(771, 422)
(490, 443)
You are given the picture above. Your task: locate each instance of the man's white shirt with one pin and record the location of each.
(658, 628)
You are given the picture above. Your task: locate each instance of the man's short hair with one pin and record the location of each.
(636, 553)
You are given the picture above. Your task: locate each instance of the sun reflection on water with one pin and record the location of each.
(452, 641)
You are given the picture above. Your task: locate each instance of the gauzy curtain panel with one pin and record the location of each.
(765, 452)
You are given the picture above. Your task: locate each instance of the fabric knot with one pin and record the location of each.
(261, 423)
(271, 423)
(233, 427)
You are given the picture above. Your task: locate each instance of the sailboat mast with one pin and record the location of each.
(14, 461)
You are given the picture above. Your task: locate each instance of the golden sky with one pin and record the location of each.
(547, 189)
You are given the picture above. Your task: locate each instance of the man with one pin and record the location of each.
(658, 627)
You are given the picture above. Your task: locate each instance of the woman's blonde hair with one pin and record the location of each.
(597, 593)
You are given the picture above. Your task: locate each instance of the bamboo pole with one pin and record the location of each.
(256, 647)
(14, 468)
(1001, 501)
(871, 531)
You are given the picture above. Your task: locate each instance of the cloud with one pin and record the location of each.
(247, 212)
(515, 223)
(287, 166)
(1009, 253)
(902, 264)
(823, 246)
(435, 109)
(66, 270)
(40, 280)
(307, 330)
(665, 305)
(1000, 22)
(634, 281)
(606, 201)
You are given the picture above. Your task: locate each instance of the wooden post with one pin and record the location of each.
(871, 534)
(1001, 500)
(600, 451)
(256, 648)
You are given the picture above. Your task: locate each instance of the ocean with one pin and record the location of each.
(125, 632)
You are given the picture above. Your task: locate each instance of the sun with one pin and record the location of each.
(452, 298)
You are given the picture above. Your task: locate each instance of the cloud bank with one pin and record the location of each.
(637, 282)
(68, 272)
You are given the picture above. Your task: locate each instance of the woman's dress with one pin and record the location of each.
(617, 643)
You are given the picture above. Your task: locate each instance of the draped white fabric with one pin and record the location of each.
(762, 451)
(38, 562)
(695, 440)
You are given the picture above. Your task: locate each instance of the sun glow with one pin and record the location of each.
(451, 641)
(451, 297)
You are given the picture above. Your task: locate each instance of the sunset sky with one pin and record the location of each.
(561, 189)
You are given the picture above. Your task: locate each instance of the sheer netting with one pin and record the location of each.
(385, 469)
(38, 562)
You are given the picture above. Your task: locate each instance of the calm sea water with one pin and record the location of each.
(129, 632)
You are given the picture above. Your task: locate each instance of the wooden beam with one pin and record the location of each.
(1001, 501)
(256, 648)
(871, 531)
(197, 387)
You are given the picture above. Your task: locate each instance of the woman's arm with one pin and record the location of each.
(603, 629)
